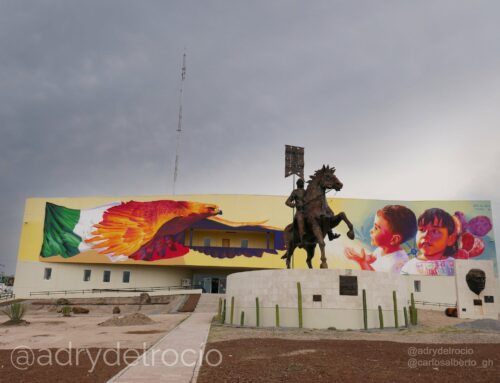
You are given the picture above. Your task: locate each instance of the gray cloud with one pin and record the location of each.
(400, 96)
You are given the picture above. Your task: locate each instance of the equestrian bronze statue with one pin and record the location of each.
(314, 217)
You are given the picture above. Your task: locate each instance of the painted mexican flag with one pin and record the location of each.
(66, 230)
(122, 230)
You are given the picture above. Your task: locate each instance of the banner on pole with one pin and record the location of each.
(294, 161)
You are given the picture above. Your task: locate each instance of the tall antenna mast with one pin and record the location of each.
(179, 123)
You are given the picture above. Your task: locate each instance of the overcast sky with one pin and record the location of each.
(402, 97)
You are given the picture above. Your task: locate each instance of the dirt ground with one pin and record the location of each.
(85, 351)
(285, 360)
(54, 330)
(432, 351)
(94, 365)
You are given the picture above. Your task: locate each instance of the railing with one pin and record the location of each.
(5, 296)
(100, 291)
(438, 304)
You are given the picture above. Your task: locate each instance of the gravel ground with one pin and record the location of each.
(434, 327)
(481, 325)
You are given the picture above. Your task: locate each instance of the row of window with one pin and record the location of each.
(106, 276)
(207, 242)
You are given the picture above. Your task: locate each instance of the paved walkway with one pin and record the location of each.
(163, 362)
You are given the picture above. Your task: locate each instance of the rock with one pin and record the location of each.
(62, 302)
(128, 320)
(144, 299)
(80, 310)
(451, 312)
(116, 310)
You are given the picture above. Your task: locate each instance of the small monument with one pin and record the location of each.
(314, 218)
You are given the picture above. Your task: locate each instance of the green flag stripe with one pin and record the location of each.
(58, 235)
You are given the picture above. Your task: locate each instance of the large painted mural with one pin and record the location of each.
(407, 237)
(394, 239)
(148, 231)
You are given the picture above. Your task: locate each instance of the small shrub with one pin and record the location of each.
(62, 302)
(15, 311)
(66, 311)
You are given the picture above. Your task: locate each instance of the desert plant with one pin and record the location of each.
(15, 311)
(365, 313)
(66, 311)
(299, 303)
(232, 309)
(413, 311)
(277, 316)
(406, 316)
(395, 302)
(223, 316)
(380, 317)
(242, 319)
(219, 312)
(257, 312)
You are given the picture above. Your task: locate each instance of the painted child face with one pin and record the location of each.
(381, 233)
(433, 240)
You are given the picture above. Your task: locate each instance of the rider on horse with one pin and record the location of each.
(297, 200)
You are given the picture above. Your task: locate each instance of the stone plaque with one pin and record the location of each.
(316, 298)
(489, 299)
(478, 302)
(348, 285)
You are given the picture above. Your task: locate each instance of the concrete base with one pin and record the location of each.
(323, 305)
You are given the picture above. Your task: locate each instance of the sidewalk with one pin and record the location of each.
(163, 361)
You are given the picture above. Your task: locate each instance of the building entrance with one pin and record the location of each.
(211, 284)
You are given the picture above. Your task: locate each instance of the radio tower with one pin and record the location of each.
(179, 123)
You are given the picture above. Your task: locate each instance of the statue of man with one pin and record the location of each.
(297, 200)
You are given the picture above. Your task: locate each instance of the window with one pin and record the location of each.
(106, 277)
(47, 273)
(226, 242)
(86, 275)
(417, 286)
(126, 277)
(244, 243)
(206, 242)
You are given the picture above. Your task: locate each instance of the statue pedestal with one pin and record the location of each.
(330, 298)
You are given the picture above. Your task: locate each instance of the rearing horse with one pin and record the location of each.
(319, 218)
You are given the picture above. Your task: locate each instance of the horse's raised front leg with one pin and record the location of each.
(321, 243)
(350, 233)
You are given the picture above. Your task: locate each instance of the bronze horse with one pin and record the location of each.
(319, 218)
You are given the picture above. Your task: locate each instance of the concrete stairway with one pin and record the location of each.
(208, 303)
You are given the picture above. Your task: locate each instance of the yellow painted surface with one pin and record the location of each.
(238, 208)
(268, 210)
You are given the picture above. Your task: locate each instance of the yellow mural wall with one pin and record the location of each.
(269, 211)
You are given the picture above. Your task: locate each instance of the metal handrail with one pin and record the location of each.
(5, 296)
(439, 304)
(118, 290)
